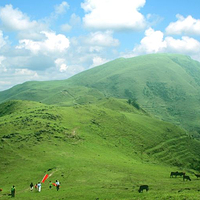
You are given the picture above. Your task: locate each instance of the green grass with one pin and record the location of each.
(104, 150)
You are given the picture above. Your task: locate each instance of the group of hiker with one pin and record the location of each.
(38, 186)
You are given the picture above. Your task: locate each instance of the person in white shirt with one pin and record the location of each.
(39, 185)
(57, 185)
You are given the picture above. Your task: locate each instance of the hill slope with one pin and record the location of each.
(165, 85)
(103, 150)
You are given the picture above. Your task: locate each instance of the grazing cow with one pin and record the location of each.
(197, 175)
(177, 174)
(181, 174)
(186, 177)
(173, 174)
(1, 189)
(143, 187)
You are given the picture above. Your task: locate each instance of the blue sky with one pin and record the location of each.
(53, 39)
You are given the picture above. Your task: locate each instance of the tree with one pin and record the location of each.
(134, 103)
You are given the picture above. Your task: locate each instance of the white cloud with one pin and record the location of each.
(152, 42)
(185, 45)
(96, 49)
(188, 25)
(60, 9)
(52, 43)
(25, 72)
(5, 84)
(61, 64)
(1, 59)
(112, 14)
(96, 61)
(17, 22)
(17, 76)
(155, 42)
(75, 20)
(2, 39)
(2, 66)
(14, 20)
(66, 27)
(104, 39)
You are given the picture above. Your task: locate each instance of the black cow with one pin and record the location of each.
(186, 178)
(197, 175)
(177, 174)
(181, 174)
(143, 187)
(173, 174)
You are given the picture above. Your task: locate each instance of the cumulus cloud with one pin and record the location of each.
(104, 39)
(187, 26)
(52, 43)
(60, 9)
(61, 64)
(14, 20)
(185, 45)
(113, 15)
(97, 60)
(155, 42)
(152, 42)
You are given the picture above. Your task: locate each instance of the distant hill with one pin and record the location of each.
(165, 85)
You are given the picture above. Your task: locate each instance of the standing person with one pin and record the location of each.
(39, 185)
(13, 191)
(36, 187)
(31, 186)
(57, 185)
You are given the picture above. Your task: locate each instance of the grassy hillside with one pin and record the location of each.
(102, 150)
(165, 85)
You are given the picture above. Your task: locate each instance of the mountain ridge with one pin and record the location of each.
(165, 85)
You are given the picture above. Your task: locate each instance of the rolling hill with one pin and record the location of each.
(103, 150)
(104, 132)
(165, 85)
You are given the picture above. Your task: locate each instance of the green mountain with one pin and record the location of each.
(105, 132)
(104, 150)
(165, 85)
